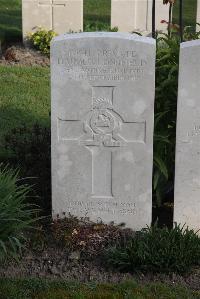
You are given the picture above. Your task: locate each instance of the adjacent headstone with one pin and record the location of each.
(198, 15)
(59, 15)
(102, 126)
(187, 175)
(136, 15)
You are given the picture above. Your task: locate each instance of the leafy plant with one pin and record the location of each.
(159, 250)
(167, 65)
(29, 149)
(190, 33)
(165, 115)
(16, 215)
(41, 39)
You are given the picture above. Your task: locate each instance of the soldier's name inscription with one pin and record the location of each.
(103, 64)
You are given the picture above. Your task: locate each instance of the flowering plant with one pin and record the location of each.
(41, 39)
(169, 1)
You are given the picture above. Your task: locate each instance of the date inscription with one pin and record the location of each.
(109, 207)
(194, 132)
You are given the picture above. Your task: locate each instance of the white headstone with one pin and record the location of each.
(198, 15)
(187, 178)
(59, 15)
(136, 15)
(102, 126)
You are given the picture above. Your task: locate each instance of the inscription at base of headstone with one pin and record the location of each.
(102, 126)
(59, 15)
(187, 174)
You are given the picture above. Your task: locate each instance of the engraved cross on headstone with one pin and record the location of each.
(52, 4)
(103, 132)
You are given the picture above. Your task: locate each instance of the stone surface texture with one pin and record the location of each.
(59, 15)
(136, 15)
(198, 15)
(102, 126)
(187, 178)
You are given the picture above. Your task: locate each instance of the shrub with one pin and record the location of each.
(165, 115)
(190, 33)
(16, 215)
(167, 65)
(157, 250)
(30, 150)
(41, 40)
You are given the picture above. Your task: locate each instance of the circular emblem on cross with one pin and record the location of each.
(102, 122)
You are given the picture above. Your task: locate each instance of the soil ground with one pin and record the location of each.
(19, 55)
(55, 263)
(72, 250)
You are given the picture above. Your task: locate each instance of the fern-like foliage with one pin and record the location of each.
(165, 114)
(16, 215)
(167, 66)
(158, 250)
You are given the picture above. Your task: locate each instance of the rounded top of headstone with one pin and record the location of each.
(120, 35)
(191, 43)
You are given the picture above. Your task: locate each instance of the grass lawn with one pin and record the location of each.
(24, 97)
(96, 16)
(97, 12)
(189, 12)
(44, 289)
(10, 20)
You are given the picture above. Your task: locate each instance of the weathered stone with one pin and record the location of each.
(136, 15)
(59, 15)
(187, 178)
(198, 15)
(102, 126)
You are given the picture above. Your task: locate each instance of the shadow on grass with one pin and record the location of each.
(93, 18)
(24, 97)
(26, 146)
(10, 21)
(12, 118)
